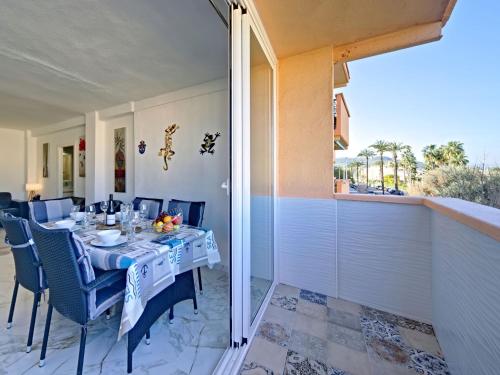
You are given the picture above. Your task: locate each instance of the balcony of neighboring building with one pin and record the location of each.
(341, 122)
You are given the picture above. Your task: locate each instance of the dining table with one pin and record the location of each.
(152, 261)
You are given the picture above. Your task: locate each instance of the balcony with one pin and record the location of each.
(340, 123)
(383, 285)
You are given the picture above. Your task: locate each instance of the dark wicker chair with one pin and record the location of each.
(76, 292)
(192, 214)
(29, 273)
(155, 205)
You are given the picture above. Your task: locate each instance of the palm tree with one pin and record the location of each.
(380, 147)
(366, 153)
(433, 156)
(355, 164)
(454, 153)
(409, 163)
(395, 148)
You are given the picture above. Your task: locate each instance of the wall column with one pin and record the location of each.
(94, 159)
(306, 125)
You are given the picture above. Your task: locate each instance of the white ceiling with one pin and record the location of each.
(62, 58)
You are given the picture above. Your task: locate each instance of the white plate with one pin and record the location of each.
(121, 240)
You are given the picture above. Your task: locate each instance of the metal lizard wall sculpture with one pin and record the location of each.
(167, 151)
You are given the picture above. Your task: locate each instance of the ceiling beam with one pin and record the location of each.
(447, 11)
(405, 38)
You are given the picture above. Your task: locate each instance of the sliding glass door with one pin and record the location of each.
(261, 176)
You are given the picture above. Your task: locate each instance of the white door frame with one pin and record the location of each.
(243, 18)
(251, 22)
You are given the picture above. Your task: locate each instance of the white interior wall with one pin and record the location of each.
(190, 175)
(57, 140)
(13, 162)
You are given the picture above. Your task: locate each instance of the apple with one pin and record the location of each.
(177, 220)
(167, 219)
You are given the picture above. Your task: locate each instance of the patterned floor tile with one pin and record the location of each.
(274, 332)
(387, 350)
(285, 302)
(344, 318)
(270, 355)
(297, 364)
(349, 360)
(315, 327)
(421, 341)
(287, 290)
(253, 368)
(372, 313)
(428, 364)
(281, 316)
(343, 305)
(313, 310)
(310, 346)
(347, 337)
(313, 297)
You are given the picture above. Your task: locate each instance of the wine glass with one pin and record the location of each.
(104, 208)
(135, 220)
(143, 211)
(90, 211)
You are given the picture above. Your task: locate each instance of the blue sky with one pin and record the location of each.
(434, 93)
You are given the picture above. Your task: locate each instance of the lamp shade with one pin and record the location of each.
(33, 187)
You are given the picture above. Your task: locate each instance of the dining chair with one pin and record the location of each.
(155, 205)
(50, 209)
(76, 291)
(192, 214)
(29, 273)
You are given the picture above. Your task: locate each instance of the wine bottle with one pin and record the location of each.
(110, 212)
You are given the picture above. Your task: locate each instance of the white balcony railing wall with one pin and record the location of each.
(422, 261)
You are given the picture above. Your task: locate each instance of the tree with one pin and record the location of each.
(380, 147)
(366, 153)
(454, 153)
(409, 164)
(356, 164)
(395, 148)
(433, 156)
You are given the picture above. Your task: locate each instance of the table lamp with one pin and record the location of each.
(32, 189)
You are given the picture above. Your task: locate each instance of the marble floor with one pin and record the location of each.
(305, 333)
(193, 344)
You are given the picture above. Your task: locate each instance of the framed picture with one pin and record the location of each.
(45, 160)
(81, 157)
(120, 167)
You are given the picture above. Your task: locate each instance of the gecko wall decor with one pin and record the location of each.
(167, 152)
(209, 143)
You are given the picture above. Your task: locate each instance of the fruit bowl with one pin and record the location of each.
(166, 223)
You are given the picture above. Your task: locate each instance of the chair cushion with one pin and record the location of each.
(50, 210)
(107, 297)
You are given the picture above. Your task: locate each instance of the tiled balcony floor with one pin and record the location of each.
(304, 333)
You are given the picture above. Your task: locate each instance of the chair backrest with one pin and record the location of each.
(68, 268)
(50, 209)
(192, 212)
(26, 260)
(155, 206)
(5, 199)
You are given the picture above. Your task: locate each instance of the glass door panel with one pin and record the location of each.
(261, 176)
